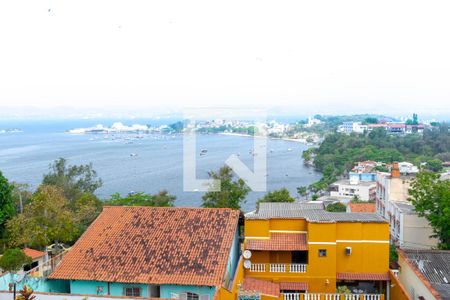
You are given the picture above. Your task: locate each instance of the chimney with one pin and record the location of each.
(395, 171)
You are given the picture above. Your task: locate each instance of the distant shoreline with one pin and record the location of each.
(272, 138)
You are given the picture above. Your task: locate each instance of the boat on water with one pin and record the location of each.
(133, 154)
(289, 149)
(203, 152)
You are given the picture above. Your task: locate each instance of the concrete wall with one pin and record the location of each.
(412, 284)
(416, 233)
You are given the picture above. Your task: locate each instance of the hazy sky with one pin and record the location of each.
(317, 56)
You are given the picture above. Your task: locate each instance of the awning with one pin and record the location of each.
(261, 286)
(294, 286)
(280, 242)
(363, 276)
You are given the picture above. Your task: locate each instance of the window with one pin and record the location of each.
(322, 252)
(191, 296)
(132, 291)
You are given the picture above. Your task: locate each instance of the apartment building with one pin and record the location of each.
(296, 250)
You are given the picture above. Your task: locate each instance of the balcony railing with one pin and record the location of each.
(318, 296)
(278, 268)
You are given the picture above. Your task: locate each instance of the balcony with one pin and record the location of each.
(278, 268)
(319, 296)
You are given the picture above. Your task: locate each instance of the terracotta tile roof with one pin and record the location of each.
(362, 207)
(33, 253)
(363, 276)
(280, 242)
(153, 245)
(294, 286)
(261, 286)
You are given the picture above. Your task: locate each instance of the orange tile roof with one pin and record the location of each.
(363, 276)
(294, 286)
(362, 207)
(280, 242)
(153, 245)
(33, 253)
(261, 286)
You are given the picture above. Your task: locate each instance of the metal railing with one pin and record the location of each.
(331, 296)
(278, 268)
(47, 267)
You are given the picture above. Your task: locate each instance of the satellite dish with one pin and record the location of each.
(247, 254)
(247, 264)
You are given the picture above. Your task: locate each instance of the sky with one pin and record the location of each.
(98, 57)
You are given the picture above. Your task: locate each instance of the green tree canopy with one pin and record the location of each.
(162, 199)
(13, 260)
(336, 207)
(46, 220)
(431, 199)
(232, 191)
(6, 202)
(72, 180)
(281, 195)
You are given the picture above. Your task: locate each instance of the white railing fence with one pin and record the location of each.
(331, 296)
(259, 268)
(297, 268)
(277, 268)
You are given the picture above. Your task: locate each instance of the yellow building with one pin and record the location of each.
(296, 250)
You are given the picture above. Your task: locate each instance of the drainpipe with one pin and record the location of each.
(388, 290)
(109, 289)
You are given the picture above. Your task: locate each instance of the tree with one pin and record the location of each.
(434, 165)
(161, 199)
(47, 219)
(431, 199)
(336, 207)
(371, 120)
(86, 208)
(281, 195)
(73, 180)
(6, 202)
(302, 191)
(21, 196)
(232, 191)
(13, 260)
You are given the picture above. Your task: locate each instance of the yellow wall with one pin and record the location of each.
(368, 241)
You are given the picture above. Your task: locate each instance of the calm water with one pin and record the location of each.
(25, 157)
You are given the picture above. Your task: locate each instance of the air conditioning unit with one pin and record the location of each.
(348, 250)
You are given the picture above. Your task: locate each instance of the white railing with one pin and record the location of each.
(371, 297)
(259, 268)
(292, 296)
(331, 296)
(297, 268)
(47, 267)
(277, 268)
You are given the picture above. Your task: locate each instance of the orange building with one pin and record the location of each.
(298, 250)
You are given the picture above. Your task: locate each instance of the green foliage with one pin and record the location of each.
(47, 219)
(85, 209)
(336, 207)
(281, 195)
(302, 191)
(314, 197)
(21, 196)
(13, 260)
(163, 198)
(431, 198)
(232, 191)
(434, 165)
(6, 202)
(393, 255)
(370, 120)
(339, 152)
(72, 180)
(26, 294)
(343, 289)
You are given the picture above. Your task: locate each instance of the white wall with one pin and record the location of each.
(47, 296)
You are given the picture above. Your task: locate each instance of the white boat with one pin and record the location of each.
(133, 154)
